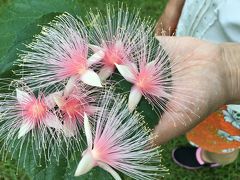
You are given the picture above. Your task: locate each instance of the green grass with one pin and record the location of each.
(229, 172)
(152, 8)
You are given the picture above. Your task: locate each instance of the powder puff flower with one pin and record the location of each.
(34, 112)
(49, 123)
(159, 77)
(150, 76)
(75, 100)
(59, 52)
(118, 141)
(115, 36)
(26, 120)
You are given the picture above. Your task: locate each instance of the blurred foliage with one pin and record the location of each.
(8, 171)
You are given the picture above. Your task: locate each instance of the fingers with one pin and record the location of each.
(167, 23)
(172, 125)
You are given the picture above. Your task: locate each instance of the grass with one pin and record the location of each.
(152, 8)
(229, 172)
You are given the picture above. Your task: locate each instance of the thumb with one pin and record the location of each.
(173, 124)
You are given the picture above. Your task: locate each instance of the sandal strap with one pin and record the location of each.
(199, 156)
(200, 160)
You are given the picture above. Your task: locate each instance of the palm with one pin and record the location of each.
(197, 84)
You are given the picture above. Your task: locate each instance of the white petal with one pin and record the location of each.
(26, 126)
(134, 98)
(70, 86)
(69, 128)
(106, 72)
(86, 164)
(91, 78)
(59, 100)
(49, 100)
(22, 96)
(95, 58)
(95, 48)
(88, 131)
(126, 72)
(52, 120)
(110, 170)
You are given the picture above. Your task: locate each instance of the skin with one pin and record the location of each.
(212, 69)
(168, 21)
(212, 72)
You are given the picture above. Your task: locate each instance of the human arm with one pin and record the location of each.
(168, 21)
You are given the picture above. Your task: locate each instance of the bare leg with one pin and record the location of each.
(222, 159)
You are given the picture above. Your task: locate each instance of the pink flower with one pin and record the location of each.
(58, 53)
(34, 112)
(113, 52)
(27, 124)
(75, 100)
(150, 76)
(51, 122)
(120, 142)
(115, 37)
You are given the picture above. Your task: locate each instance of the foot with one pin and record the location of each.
(190, 158)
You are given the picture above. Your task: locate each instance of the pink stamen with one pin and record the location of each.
(73, 108)
(148, 82)
(105, 152)
(118, 141)
(34, 109)
(113, 55)
(77, 64)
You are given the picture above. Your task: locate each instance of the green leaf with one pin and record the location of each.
(19, 22)
(16, 15)
(24, 36)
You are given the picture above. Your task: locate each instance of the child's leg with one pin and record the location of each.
(221, 159)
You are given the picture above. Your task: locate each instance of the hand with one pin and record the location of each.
(203, 80)
(168, 21)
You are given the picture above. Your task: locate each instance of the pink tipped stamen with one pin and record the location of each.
(105, 153)
(34, 110)
(73, 108)
(147, 82)
(59, 52)
(118, 142)
(113, 55)
(74, 65)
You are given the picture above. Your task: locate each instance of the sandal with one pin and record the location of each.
(190, 158)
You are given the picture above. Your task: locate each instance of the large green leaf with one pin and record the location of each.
(16, 15)
(19, 22)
